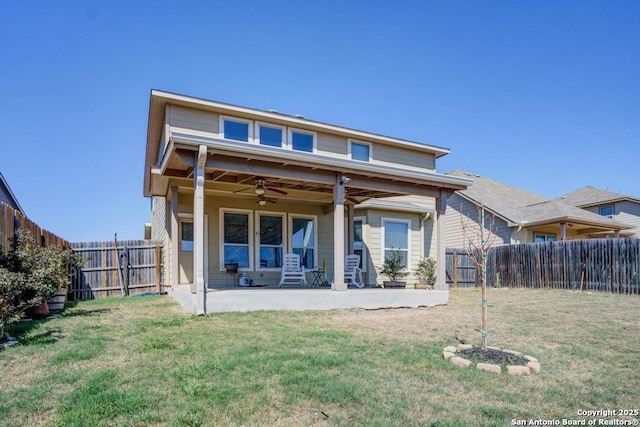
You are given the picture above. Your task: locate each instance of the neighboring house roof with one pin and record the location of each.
(591, 196)
(519, 207)
(7, 196)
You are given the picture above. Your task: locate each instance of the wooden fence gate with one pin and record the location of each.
(133, 267)
(461, 271)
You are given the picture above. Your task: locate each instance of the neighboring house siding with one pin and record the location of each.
(625, 212)
(459, 210)
(5, 198)
(628, 213)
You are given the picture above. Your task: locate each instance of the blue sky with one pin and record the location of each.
(542, 95)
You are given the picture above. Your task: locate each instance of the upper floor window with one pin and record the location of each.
(235, 129)
(302, 140)
(270, 135)
(607, 211)
(360, 151)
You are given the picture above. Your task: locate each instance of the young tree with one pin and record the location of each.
(479, 237)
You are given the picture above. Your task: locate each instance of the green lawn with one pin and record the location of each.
(143, 361)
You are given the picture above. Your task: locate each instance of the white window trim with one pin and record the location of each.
(258, 214)
(353, 141)
(256, 133)
(290, 132)
(221, 238)
(382, 239)
(314, 218)
(239, 120)
(365, 236)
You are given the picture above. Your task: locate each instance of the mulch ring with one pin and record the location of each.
(489, 355)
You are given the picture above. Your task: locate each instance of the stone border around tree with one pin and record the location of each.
(532, 367)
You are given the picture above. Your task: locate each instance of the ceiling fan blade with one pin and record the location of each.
(241, 190)
(277, 190)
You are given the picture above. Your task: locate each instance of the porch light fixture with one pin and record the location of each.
(262, 202)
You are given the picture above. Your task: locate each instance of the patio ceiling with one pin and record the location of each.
(234, 173)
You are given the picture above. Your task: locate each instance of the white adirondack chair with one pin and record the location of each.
(352, 271)
(292, 271)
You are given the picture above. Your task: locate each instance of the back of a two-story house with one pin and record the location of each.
(273, 183)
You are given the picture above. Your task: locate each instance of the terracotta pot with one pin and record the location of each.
(39, 312)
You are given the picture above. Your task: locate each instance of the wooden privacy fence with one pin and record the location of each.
(609, 265)
(12, 219)
(133, 267)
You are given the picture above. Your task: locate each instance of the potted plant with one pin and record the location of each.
(393, 268)
(425, 272)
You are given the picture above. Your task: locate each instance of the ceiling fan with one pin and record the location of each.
(261, 187)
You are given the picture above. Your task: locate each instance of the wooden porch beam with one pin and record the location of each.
(385, 186)
(594, 231)
(271, 170)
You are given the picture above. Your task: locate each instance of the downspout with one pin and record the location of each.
(511, 239)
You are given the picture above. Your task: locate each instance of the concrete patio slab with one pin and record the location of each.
(248, 299)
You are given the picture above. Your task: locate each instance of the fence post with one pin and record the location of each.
(158, 271)
(125, 270)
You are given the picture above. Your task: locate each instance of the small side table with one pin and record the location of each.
(319, 278)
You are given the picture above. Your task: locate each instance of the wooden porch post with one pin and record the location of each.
(198, 231)
(338, 236)
(174, 268)
(563, 231)
(441, 266)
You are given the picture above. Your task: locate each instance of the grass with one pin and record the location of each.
(143, 361)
